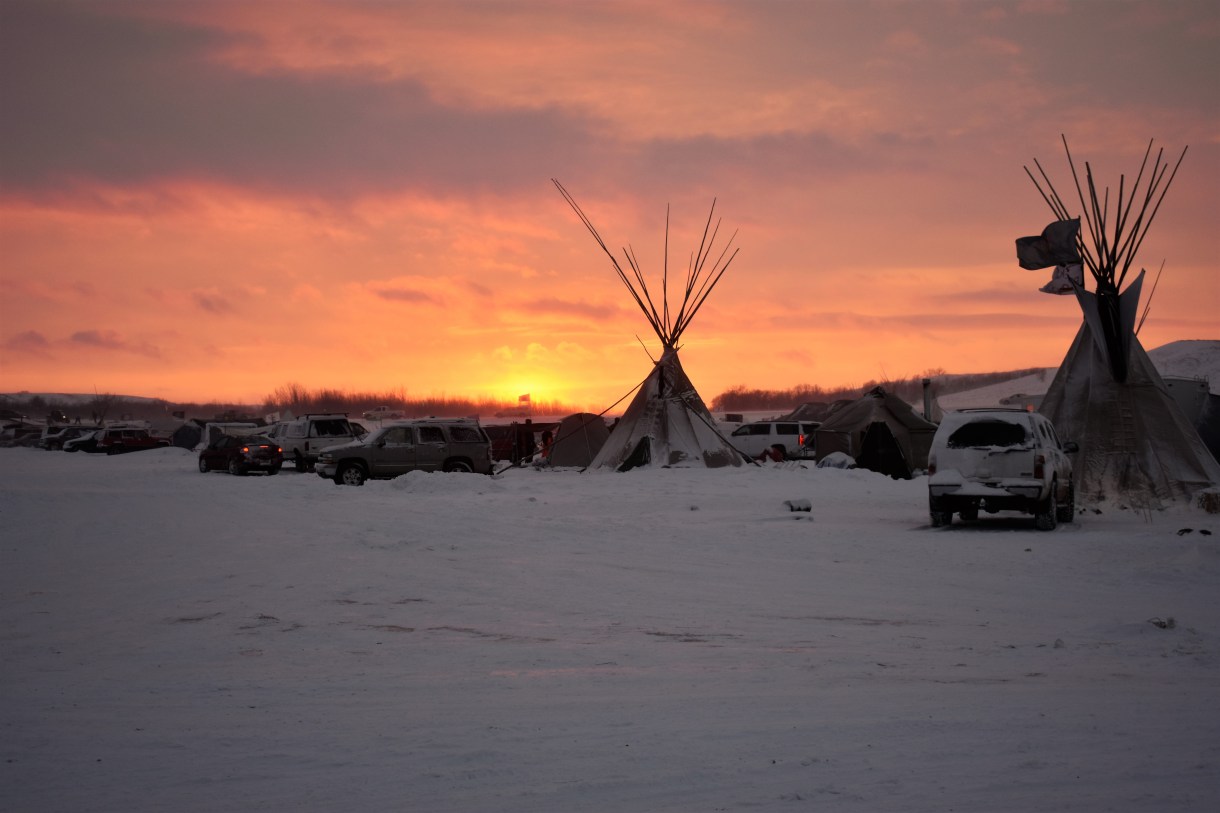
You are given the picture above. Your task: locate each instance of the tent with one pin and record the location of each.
(1137, 448)
(667, 423)
(578, 439)
(881, 431)
(1136, 445)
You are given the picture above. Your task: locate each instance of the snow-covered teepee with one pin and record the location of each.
(667, 423)
(1136, 447)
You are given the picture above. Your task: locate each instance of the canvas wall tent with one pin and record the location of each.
(1136, 447)
(214, 429)
(881, 431)
(667, 423)
(578, 439)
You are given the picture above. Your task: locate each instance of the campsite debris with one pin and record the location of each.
(801, 504)
(1163, 623)
(1209, 500)
(1185, 531)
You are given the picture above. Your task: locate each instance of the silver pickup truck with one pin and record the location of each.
(1000, 460)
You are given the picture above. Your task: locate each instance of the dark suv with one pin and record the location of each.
(431, 444)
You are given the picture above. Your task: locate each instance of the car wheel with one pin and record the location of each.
(459, 465)
(236, 468)
(350, 474)
(970, 513)
(203, 465)
(1067, 511)
(299, 462)
(274, 469)
(1046, 517)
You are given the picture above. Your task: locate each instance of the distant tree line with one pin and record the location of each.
(300, 400)
(741, 398)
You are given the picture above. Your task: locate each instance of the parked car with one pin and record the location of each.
(1000, 460)
(121, 440)
(427, 444)
(795, 438)
(242, 455)
(54, 437)
(302, 439)
(85, 443)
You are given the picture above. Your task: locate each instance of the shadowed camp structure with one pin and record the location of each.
(667, 423)
(880, 431)
(1136, 446)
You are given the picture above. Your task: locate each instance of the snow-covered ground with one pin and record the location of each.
(668, 640)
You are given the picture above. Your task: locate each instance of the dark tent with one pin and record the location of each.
(881, 431)
(578, 440)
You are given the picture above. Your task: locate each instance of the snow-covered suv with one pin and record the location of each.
(427, 444)
(1000, 460)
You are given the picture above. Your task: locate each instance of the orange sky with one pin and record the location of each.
(209, 200)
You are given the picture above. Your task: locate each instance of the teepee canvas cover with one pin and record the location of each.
(667, 423)
(1136, 446)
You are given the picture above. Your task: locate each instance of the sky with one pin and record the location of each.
(211, 200)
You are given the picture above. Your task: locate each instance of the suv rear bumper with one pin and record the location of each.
(1000, 495)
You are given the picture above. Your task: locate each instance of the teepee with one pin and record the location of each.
(667, 423)
(1136, 447)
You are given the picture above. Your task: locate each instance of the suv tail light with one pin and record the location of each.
(1040, 466)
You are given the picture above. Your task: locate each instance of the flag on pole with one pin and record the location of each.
(1055, 246)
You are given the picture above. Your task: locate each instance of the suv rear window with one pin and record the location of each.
(332, 428)
(987, 433)
(464, 434)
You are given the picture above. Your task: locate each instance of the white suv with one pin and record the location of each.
(1000, 460)
(795, 438)
(303, 439)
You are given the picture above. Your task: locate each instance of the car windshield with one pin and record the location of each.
(987, 433)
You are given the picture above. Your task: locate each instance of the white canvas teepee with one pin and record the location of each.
(667, 423)
(1137, 449)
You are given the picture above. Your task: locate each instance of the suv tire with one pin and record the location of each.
(458, 465)
(350, 474)
(1046, 516)
(236, 468)
(203, 466)
(1067, 512)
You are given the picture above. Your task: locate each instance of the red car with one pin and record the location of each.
(118, 440)
(242, 455)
